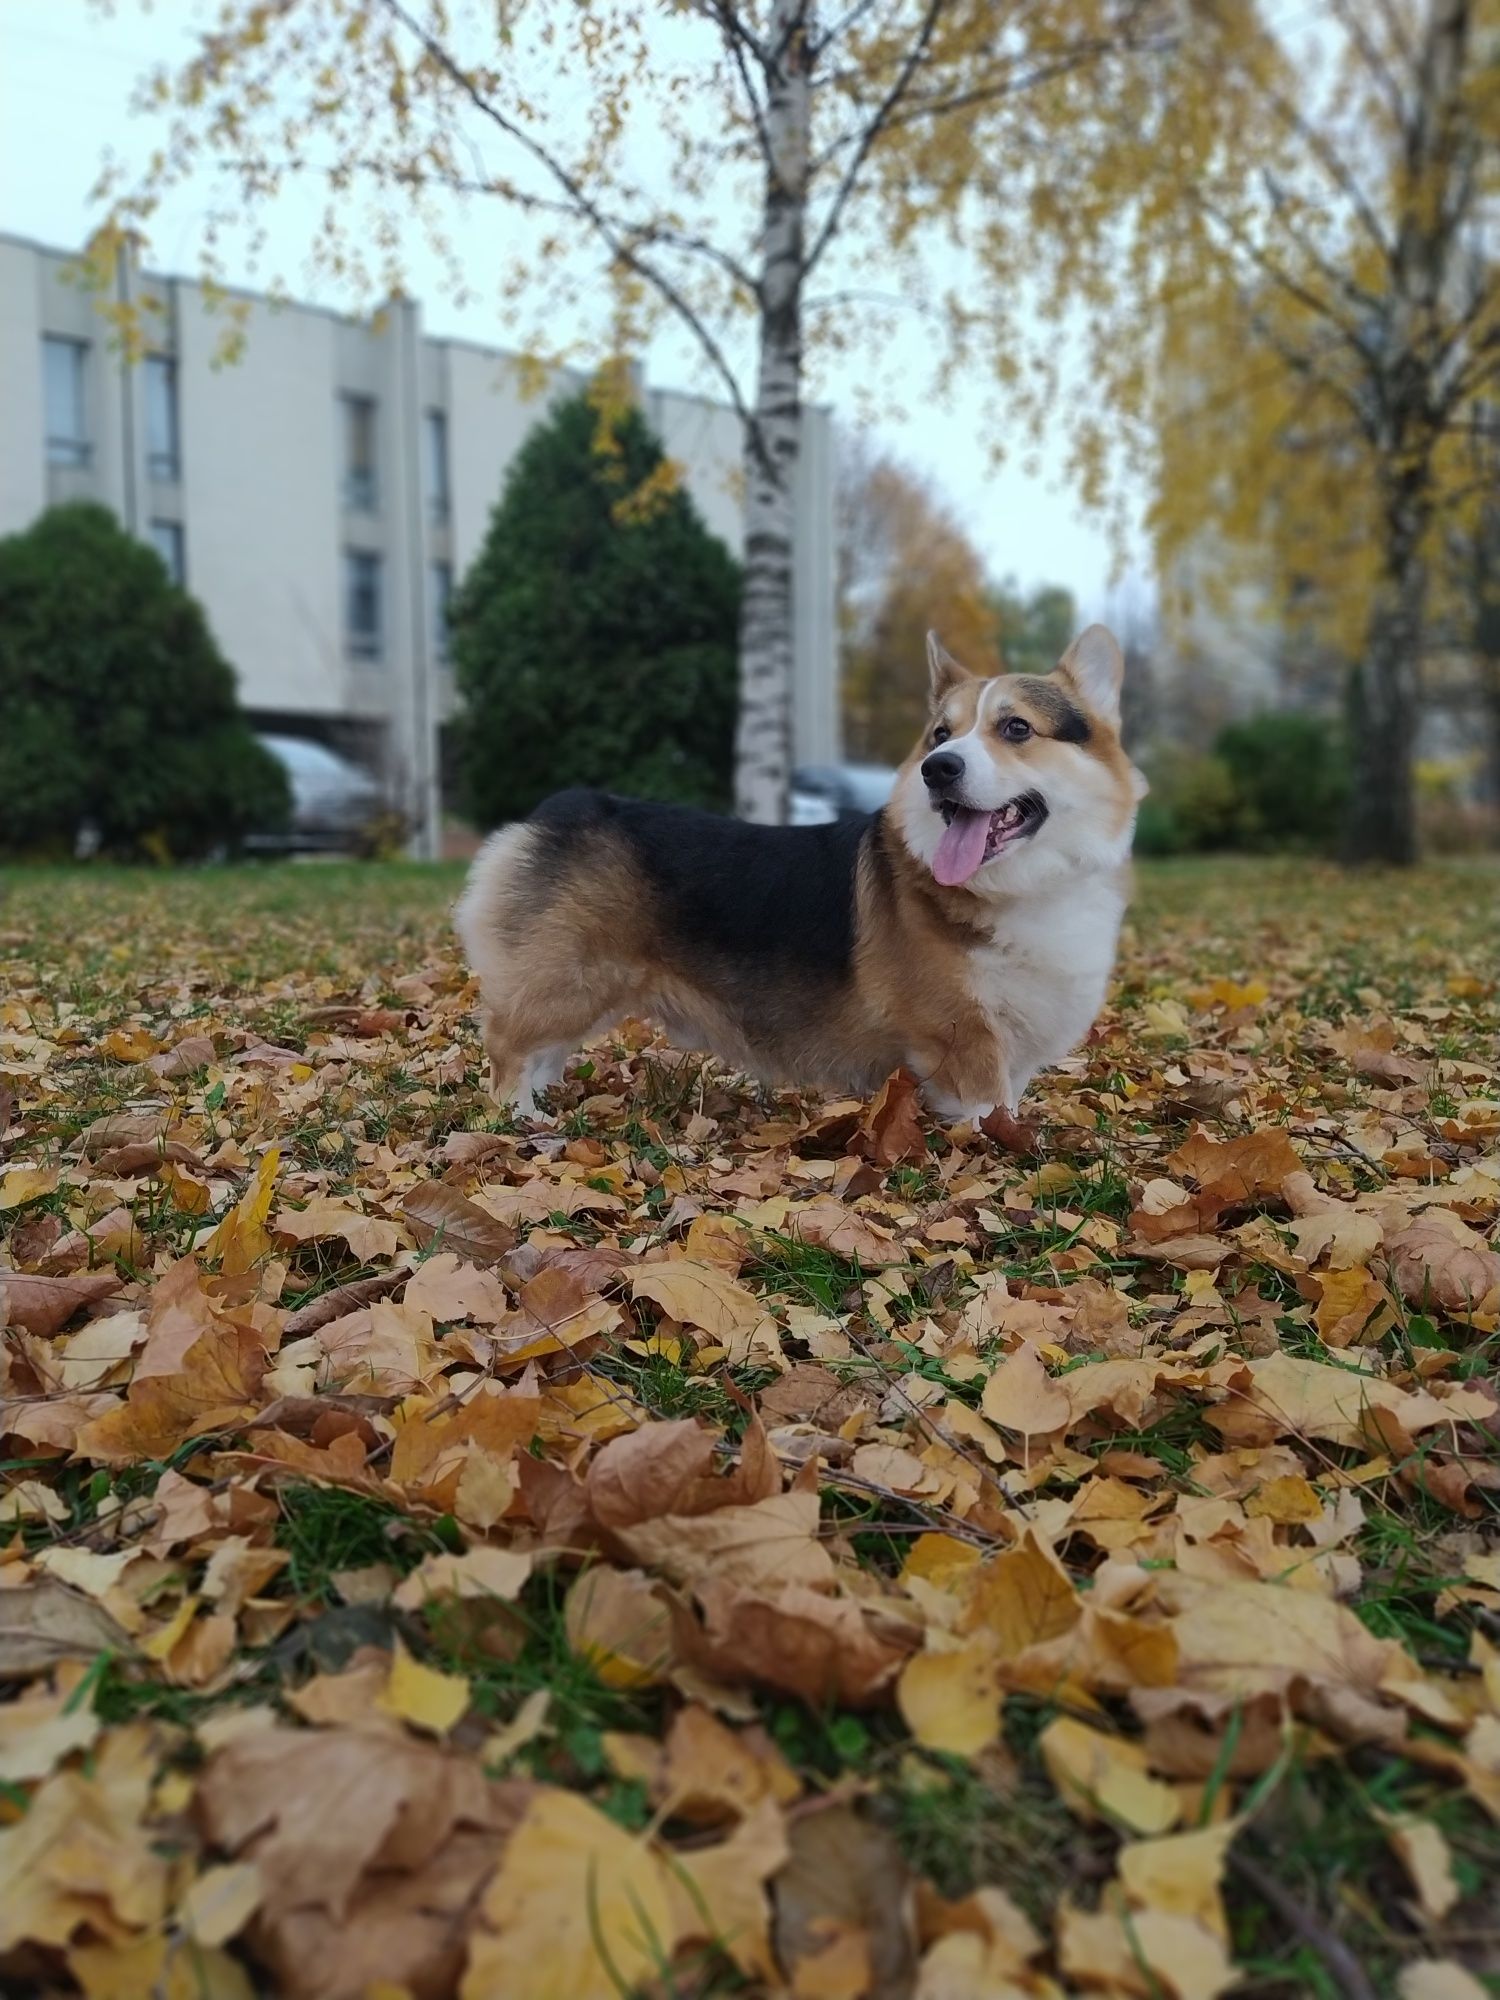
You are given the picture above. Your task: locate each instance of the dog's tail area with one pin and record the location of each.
(490, 908)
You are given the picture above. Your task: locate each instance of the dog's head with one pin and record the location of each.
(1021, 780)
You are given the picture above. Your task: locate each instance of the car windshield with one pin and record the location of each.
(869, 786)
(310, 760)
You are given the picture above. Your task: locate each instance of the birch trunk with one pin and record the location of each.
(763, 742)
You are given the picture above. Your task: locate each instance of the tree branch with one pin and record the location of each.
(873, 127)
(584, 205)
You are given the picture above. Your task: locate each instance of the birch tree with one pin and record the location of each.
(772, 178)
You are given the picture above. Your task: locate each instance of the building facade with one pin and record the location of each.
(322, 493)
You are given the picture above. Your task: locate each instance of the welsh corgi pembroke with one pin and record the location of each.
(967, 930)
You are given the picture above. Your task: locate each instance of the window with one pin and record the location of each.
(441, 593)
(161, 417)
(67, 429)
(359, 454)
(435, 440)
(166, 539)
(362, 604)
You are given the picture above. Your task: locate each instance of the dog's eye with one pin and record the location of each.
(1015, 729)
(941, 733)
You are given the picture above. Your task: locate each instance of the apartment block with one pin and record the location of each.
(322, 493)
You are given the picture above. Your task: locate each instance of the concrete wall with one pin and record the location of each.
(261, 503)
(260, 491)
(23, 461)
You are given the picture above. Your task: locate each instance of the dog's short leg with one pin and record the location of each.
(966, 1081)
(538, 1074)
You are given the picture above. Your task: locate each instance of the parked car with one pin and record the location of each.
(335, 804)
(825, 792)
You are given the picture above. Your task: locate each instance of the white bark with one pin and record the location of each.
(763, 742)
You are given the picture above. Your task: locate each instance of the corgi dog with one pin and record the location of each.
(967, 930)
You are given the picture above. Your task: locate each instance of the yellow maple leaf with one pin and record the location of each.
(242, 1239)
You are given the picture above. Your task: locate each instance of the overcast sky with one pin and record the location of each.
(66, 75)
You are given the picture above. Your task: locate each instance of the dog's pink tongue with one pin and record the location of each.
(961, 849)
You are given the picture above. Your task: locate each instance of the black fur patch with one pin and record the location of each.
(754, 895)
(1060, 719)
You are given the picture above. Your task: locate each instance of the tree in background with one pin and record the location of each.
(904, 566)
(118, 708)
(892, 150)
(593, 638)
(1035, 627)
(1328, 326)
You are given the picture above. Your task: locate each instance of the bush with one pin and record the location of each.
(594, 638)
(1275, 781)
(1192, 806)
(1291, 777)
(118, 707)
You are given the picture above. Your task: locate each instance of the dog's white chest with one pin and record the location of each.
(1043, 979)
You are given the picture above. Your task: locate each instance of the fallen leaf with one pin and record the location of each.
(579, 1909)
(45, 1305)
(698, 1294)
(44, 1623)
(1106, 1777)
(437, 1212)
(950, 1700)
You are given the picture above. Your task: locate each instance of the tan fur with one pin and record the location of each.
(974, 987)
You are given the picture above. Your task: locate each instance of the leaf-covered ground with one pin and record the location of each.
(729, 1544)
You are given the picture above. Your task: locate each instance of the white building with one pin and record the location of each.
(321, 493)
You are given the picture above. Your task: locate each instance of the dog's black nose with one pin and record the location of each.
(943, 767)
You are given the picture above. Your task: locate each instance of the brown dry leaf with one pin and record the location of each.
(433, 1439)
(1435, 1260)
(649, 1472)
(770, 1543)
(215, 1389)
(45, 1622)
(447, 1289)
(1424, 1853)
(1346, 1301)
(316, 1810)
(79, 1858)
(45, 1305)
(827, 1224)
(709, 1772)
(821, 1648)
(43, 1726)
(436, 1211)
(579, 1910)
(845, 1877)
(1439, 1979)
(1312, 1399)
(619, 1621)
(370, 1238)
(490, 1574)
(891, 1129)
(698, 1294)
(1237, 1170)
(1021, 1396)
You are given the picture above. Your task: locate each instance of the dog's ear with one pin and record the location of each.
(943, 671)
(1096, 666)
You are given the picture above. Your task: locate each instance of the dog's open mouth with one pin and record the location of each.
(971, 838)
